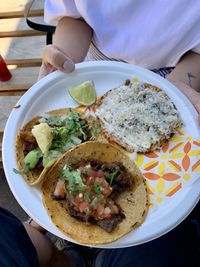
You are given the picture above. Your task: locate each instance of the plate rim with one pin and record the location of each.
(82, 66)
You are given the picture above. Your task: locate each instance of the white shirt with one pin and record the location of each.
(148, 33)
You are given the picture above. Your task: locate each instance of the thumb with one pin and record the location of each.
(57, 59)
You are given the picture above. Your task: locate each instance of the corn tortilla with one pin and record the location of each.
(134, 203)
(34, 177)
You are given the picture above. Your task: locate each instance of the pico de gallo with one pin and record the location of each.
(91, 188)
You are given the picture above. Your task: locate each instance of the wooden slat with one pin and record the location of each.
(14, 24)
(13, 92)
(22, 78)
(18, 27)
(1, 138)
(11, 9)
(21, 33)
(7, 103)
(20, 14)
(22, 48)
(4, 114)
(19, 5)
(29, 62)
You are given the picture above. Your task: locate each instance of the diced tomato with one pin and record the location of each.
(83, 205)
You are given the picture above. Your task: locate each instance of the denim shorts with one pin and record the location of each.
(16, 248)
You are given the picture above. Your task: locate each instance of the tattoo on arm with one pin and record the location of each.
(190, 76)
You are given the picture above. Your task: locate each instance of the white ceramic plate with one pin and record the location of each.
(51, 93)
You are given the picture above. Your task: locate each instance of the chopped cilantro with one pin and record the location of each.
(94, 130)
(97, 188)
(94, 201)
(39, 154)
(73, 181)
(85, 172)
(52, 155)
(17, 171)
(86, 196)
(54, 121)
(112, 175)
(127, 82)
(87, 209)
(67, 131)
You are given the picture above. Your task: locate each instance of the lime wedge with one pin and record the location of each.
(84, 94)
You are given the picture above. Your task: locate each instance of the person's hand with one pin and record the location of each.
(193, 95)
(54, 59)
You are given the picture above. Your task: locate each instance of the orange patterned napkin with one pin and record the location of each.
(168, 170)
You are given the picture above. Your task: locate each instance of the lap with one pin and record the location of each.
(179, 247)
(16, 248)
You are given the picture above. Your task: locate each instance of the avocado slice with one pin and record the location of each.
(32, 158)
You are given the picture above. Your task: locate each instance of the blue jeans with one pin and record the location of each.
(16, 248)
(178, 248)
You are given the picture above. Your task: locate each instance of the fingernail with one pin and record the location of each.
(68, 66)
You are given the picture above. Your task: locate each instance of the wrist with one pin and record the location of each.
(178, 83)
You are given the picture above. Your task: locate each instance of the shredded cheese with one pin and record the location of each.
(140, 117)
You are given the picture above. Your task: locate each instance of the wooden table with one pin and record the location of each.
(22, 48)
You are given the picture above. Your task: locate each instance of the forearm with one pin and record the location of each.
(73, 37)
(187, 71)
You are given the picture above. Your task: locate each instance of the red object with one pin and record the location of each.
(83, 206)
(5, 74)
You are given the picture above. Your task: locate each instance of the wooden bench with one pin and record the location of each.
(21, 47)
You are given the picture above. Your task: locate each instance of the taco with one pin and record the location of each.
(44, 139)
(138, 116)
(95, 193)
